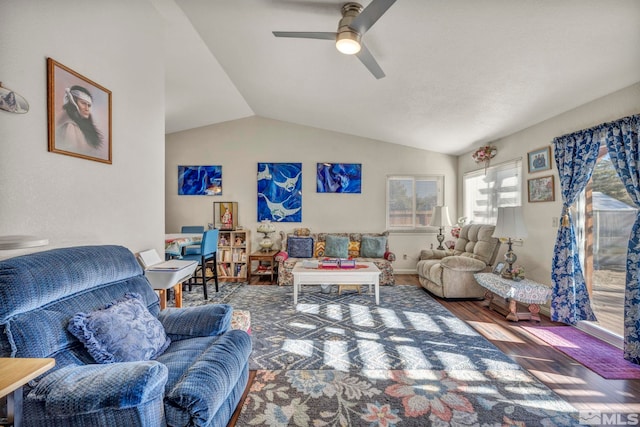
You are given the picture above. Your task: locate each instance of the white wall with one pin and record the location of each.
(72, 201)
(537, 251)
(240, 144)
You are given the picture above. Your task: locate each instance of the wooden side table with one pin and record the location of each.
(263, 257)
(14, 373)
(525, 291)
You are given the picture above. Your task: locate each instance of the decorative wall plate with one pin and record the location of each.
(12, 102)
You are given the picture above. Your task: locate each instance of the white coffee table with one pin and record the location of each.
(365, 273)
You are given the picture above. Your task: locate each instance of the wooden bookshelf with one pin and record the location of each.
(234, 248)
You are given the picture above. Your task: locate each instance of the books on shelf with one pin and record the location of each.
(223, 270)
(233, 247)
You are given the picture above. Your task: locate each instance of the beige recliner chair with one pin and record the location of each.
(449, 273)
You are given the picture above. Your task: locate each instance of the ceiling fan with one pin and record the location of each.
(355, 21)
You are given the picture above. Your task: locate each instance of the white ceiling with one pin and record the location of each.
(458, 73)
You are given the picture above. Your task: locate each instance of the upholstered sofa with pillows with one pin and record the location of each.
(120, 361)
(303, 245)
(449, 273)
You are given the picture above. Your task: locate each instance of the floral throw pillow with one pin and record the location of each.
(123, 331)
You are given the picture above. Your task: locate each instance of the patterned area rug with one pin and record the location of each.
(195, 296)
(599, 356)
(340, 360)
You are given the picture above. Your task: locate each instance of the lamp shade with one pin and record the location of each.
(348, 42)
(510, 223)
(440, 217)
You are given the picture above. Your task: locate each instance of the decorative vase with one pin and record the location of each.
(266, 243)
(266, 228)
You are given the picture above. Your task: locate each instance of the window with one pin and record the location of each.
(484, 192)
(411, 199)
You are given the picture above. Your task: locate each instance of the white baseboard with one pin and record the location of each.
(592, 329)
(405, 271)
(601, 333)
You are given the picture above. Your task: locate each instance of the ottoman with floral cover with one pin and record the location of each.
(301, 245)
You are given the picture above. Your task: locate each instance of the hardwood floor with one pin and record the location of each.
(581, 387)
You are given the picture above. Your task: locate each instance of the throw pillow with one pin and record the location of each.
(318, 252)
(336, 246)
(373, 246)
(354, 248)
(300, 247)
(123, 331)
(301, 232)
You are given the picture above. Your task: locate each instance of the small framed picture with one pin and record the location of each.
(539, 160)
(79, 114)
(498, 268)
(541, 189)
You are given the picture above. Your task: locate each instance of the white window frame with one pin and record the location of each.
(492, 194)
(438, 179)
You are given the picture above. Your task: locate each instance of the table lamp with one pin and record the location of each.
(440, 218)
(510, 225)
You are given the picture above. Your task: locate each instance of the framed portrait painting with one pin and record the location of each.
(79, 113)
(541, 189)
(539, 160)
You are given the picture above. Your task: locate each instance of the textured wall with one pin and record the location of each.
(72, 201)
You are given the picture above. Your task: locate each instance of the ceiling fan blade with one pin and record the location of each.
(369, 61)
(319, 7)
(370, 15)
(305, 35)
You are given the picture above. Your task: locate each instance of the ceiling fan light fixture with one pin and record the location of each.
(348, 42)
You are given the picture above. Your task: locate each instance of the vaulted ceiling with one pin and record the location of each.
(458, 73)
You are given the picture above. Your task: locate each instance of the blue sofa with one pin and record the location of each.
(197, 381)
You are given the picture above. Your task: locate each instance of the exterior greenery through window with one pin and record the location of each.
(411, 199)
(486, 191)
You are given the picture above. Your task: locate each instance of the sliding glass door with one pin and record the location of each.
(605, 217)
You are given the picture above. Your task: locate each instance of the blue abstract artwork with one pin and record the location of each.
(280, 192)
(200, 180)
(339, 178)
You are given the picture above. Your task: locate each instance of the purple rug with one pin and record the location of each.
(599, 356)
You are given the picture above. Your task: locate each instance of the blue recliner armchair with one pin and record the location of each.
(197, 381)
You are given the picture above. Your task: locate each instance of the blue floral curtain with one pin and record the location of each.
(576, 156)
(623, 141)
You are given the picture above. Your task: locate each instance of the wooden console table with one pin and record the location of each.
(525, 291)
(14, 373)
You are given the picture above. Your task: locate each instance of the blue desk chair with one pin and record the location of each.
(208, 253)
(191, 229)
